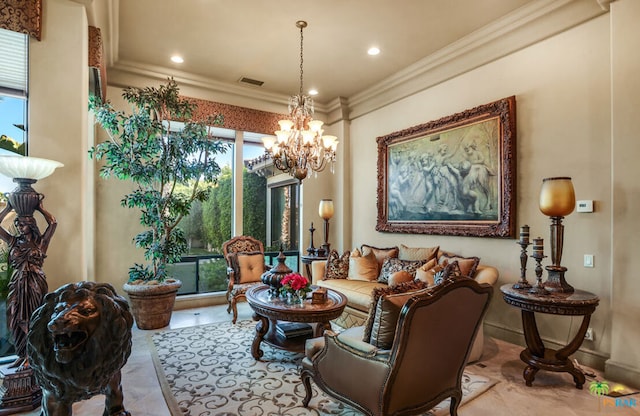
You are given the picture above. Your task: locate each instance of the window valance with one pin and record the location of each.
(24, 16)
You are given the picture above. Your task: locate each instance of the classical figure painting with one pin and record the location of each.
(452, 176)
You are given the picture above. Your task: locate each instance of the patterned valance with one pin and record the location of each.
(239, 118)
(97, 63)
(24, 16)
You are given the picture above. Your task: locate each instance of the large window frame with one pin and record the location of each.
(197, 266)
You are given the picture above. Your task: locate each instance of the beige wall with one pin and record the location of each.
(566, 126)
(624, 363)
(58, 80)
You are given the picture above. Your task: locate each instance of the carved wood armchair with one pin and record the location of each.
(245, 264)
(431, 344)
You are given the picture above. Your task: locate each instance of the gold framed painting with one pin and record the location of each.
(452, 176)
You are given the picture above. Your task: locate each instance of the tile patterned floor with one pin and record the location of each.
(550, 394)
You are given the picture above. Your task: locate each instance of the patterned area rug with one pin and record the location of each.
(208, 370)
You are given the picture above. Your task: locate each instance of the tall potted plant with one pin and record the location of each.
(146, 150)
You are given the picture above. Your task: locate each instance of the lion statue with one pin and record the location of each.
(78, 341)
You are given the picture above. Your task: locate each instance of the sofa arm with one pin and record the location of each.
(486, 274)
(318, 268)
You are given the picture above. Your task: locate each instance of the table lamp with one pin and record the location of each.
(557, 200)
(325, 210)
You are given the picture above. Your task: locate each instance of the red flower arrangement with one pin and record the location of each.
(294, 282)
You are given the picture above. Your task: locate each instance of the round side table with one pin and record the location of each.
(536, 355)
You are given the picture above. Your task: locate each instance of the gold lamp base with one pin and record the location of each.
(556, 281)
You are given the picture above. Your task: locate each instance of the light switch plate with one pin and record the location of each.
(588, 260)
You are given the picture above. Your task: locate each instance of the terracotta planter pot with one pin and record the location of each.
(152, 305)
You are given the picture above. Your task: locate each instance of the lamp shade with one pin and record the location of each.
(325, 210)
(557, 197)
(27, 167)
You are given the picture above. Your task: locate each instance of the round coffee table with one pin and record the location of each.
(268, 311)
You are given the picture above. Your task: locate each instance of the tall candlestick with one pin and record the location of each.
(538, 247)
(524, 234)
(538, 255)
(524, 243)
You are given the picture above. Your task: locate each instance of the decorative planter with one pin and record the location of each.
(152, 305)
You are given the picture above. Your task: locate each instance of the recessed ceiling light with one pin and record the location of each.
(177, 59)
(373, 51)
(313, 92)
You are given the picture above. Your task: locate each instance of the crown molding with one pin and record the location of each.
(522, 28)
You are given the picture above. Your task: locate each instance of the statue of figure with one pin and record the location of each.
(28, 284)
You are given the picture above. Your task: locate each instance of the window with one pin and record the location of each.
(13, 97)
(283, 231)
(269, 214)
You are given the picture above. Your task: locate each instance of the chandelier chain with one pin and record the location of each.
(301, 58)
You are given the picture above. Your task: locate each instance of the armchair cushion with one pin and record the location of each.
(337, 265)
(382, 319)
(363, 267)
(417, 253)
(250, 266)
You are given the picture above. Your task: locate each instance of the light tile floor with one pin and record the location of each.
(551, 393)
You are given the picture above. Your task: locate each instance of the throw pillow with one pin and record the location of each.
(380, 253)
(392, 265)
(468, 265)
(250, 266)
(450, 270)
(400, 277)
(385, 318)
(363, 267)
(427, 271)
(337, 265)
(417, 253)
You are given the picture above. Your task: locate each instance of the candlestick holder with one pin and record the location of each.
(539, 288)
(311, 250)
(523, 284)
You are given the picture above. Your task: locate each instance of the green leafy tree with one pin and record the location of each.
(217, 211)
(254, 205)
(145, 150)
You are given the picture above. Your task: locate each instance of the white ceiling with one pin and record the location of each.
(224, 40)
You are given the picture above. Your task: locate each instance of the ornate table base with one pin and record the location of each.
(19, 391)
(536, 355)
(540, 358)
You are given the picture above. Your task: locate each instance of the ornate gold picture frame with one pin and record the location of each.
(452, 176)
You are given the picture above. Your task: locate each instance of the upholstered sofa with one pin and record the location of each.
(359, 289)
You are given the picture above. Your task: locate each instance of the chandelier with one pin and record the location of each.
(299, 145)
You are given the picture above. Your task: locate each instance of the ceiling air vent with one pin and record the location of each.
(250, 81)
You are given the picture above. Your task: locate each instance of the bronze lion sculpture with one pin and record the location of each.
(79, 339)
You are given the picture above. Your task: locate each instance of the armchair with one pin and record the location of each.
(245, 265)
(431, 345)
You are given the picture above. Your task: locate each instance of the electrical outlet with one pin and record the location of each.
(589, 334)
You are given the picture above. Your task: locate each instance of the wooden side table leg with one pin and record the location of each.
(321, 327)
(564, 353)
(261, 329)
(529, 374)
(531, 334)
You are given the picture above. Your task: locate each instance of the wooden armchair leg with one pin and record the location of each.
(234, 307)
(455, 402)
(228, 296)
(306, 381)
